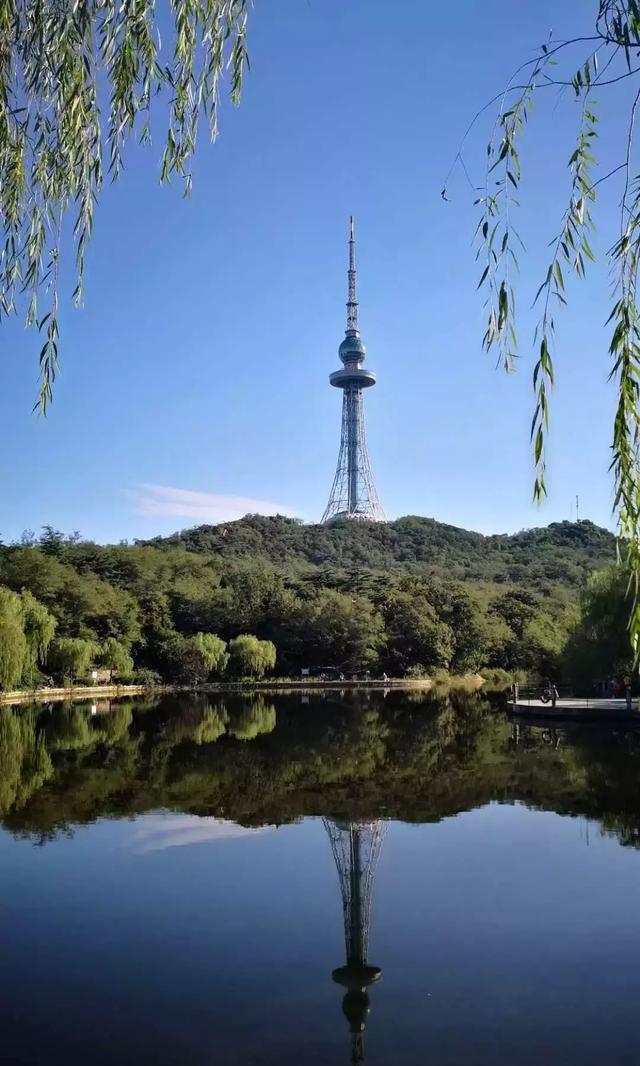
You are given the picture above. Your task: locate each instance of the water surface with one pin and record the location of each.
(169, 890)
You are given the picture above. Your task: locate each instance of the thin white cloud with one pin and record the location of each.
(170, 502)
(157, 832)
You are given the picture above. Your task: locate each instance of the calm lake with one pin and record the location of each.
(316, 879)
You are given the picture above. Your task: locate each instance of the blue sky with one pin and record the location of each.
(197, 371)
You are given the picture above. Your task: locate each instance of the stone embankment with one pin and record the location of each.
(71, 692)
(470, 682)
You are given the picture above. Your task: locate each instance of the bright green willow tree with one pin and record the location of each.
(59, 61)
(609, 54)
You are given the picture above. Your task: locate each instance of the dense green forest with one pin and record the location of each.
(264, 761)
(271, 595)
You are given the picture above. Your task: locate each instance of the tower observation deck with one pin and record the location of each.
(353, 493)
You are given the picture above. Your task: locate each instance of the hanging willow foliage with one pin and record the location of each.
(59, 60)
(610, 55)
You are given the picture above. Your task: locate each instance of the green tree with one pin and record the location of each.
(39, 628)
(598, 646)
(115, 657)
(214, 652)
(498, 638)
(252, 595)
(83, 605)
(193, 660)
(71, 657)
(536, 638)
(605, 46)
(517, 608)
(250, 657)
(416, 636)
(331, 628)
(57, 61)
(26, 631)
(543, 642)
(13, 642)
(468, 625)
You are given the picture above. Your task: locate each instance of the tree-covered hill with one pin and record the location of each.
(563, 553)
(406, 598)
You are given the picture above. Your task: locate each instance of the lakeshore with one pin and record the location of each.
(469, 682)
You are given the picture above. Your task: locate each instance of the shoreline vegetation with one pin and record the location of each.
(493, 681)
(263, 598)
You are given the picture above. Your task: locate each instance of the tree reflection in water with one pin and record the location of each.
(262, 759)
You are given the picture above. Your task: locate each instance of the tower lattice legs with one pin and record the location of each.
(353, 492)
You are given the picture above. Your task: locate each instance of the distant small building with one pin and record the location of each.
(103, 676)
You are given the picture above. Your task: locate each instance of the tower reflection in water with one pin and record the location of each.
(356, 847)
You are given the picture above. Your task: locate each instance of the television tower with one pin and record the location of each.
(353, 493)
(356, 847)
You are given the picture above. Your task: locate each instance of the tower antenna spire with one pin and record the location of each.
(352, 301)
